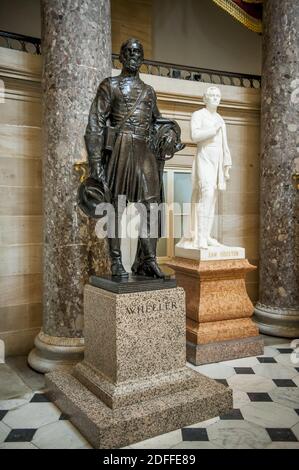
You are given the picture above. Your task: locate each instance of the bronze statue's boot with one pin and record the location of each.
(117, 268)
(149, 266)
(137, 265)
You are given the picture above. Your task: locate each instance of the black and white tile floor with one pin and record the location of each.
(265, 414)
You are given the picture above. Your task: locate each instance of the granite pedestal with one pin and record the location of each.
(134, 383)
(218, 309)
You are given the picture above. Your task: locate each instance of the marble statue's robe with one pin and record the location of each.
(211, 157)
(212, 153)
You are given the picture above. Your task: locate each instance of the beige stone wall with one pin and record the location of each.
(200, 33)
(20, 201)
(131, 18)
(190, 32)
(21, 185)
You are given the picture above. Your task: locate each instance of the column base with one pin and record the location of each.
(54, 352)
(199, 354)
(107, 428)
(275, 321)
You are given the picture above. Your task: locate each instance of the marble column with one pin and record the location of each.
(277, 312)
(76, 49)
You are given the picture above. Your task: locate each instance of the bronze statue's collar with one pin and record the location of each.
(127, 76)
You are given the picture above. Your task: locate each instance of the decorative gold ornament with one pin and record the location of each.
(234, 10)
(81, 168)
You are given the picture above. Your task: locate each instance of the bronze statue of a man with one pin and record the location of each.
(123, 151)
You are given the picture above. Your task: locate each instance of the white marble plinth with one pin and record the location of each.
(212, 253)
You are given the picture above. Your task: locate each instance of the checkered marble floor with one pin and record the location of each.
(265, 414)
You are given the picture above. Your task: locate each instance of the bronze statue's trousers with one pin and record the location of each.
(147, 244)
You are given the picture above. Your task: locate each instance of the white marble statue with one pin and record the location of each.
(210, 170)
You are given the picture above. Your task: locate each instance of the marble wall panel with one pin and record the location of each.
(20, 230)
(20, 290)
(20, 113)
(23, 316)
(19, 342)
(20, 259)
(20, 172)
(20, 141)
(20, 201)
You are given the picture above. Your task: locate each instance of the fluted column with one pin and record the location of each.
(277, 312)
(76, 49)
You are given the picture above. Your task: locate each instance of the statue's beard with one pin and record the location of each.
(132, 66)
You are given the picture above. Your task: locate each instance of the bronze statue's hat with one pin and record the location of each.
(91, 193)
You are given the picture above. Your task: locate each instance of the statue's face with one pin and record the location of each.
(132, 57)
(213, 97)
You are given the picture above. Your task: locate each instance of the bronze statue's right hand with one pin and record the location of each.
(97, 171)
